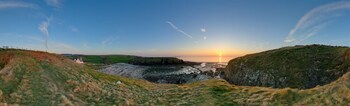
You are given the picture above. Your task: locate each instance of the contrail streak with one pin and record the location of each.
(178, 29)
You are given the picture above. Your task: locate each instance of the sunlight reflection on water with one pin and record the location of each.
(223, 59)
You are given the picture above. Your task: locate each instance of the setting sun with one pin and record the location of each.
(220, 53)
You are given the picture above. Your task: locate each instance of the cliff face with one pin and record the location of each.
(296, 67)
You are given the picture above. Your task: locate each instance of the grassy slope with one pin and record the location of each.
(104, 59)
(36, 78)
(98, 61)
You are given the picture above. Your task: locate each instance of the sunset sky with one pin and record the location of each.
(172, 27)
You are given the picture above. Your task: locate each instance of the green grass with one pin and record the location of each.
(104, 59)
(10, 86)
(99, 61)
(112, 59)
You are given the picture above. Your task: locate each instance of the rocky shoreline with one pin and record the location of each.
(172, 74)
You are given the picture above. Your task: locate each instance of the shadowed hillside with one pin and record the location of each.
(295, 67)
(98, 61)
(38, 78)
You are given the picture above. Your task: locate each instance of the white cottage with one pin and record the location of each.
(79, 61)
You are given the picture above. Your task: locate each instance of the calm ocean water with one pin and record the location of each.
(223, 59)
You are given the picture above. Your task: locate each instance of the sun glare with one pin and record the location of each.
(220, 56)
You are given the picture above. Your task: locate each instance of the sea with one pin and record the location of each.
(204, 59)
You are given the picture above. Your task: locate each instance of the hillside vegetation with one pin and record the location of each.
(99, 61)
(295, 67)
(39, 78)
(103, 59)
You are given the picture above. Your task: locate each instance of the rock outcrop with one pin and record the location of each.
(125, 70)
(156, 61)
(296, 67)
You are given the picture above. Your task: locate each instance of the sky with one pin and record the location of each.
(172, 27)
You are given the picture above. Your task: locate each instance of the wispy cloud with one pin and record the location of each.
(109, 41)
(54, 3)
(43, 27)
(16, 4)
(315, 20)
(203, 30)
(178, 29)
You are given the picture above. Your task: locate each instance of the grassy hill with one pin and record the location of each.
(103, 59)
(296, 67)
(98, 61)
(39, 78)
